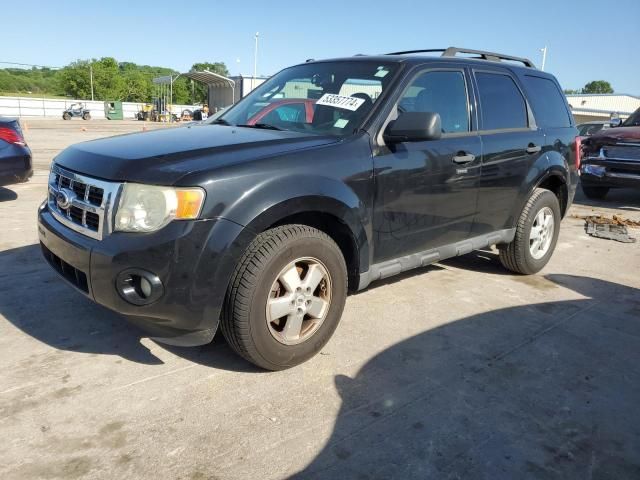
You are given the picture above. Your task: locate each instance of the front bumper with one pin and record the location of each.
(612, 174)
(193, 259)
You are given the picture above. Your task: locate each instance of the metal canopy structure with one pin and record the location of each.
(221, 91)
(210, 78)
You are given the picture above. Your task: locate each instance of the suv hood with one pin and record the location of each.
(162, 157)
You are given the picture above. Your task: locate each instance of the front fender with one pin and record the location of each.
(267, 203)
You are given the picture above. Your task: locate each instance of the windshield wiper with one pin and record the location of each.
(220, 121)
(265, 126)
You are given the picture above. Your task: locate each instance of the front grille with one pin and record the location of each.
(77, 277)
(82, 203)
(623, 152)
(90, 193)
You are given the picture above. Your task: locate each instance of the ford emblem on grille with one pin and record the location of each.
(64, 198)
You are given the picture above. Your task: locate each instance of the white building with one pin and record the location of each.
(592, 107)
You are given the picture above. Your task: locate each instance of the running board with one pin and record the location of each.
(393, 267)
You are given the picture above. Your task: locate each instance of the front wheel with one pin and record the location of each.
(66, 116)
(286, 297)
(536, 234)
(86, 116)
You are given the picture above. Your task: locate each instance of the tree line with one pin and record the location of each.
(130, 82)
(596, 86)
(112, 80)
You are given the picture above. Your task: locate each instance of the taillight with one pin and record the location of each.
(578, 152)
(11, 136)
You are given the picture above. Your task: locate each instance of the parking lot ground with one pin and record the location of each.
(459, 370)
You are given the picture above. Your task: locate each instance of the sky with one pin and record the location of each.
(587, 40)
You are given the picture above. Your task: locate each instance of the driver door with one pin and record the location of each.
(426, 191)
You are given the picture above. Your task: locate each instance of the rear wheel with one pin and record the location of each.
(286, 297)
(595, 193)
(86, 116)
(536, 234)
(66, 116)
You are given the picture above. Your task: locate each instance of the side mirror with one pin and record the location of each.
(414, 127)
(615, 122)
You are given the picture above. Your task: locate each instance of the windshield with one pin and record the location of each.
(633, 120)
(326, 98)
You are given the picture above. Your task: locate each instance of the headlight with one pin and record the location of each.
(147, 208)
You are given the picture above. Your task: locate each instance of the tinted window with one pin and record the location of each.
(440, 92)
(501, 102)
(547, 102)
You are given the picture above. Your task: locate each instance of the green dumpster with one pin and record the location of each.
(113, 110)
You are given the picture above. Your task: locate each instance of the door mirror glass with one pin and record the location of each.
(414, 127)
(615, 122)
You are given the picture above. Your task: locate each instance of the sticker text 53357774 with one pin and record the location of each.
(340, 101)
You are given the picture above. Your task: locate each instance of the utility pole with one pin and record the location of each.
(91, 79)
(544, 56)
(255, 63)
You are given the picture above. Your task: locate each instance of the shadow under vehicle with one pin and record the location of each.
(543, 391)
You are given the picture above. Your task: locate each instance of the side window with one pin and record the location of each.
(443, 92)
(547, 102)
(501, 103)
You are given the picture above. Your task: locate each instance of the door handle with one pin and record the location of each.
(533, 148)
(463, 157)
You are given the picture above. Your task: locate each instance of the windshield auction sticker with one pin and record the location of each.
(339, 101)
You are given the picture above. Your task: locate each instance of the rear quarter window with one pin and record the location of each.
(502, 106)
(547, 101)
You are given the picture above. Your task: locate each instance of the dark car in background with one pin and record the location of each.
(611, 159)
(15, 156)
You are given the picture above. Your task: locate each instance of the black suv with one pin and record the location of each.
(329, 176)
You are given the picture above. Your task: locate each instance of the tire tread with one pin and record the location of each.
(235, 323)
(512, 255)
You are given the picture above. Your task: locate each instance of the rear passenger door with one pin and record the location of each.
(511, 144)
(553, 115)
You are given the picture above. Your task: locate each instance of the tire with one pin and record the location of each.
(86, 116)
(595, 193)
(66, 116)
(517, 256)
(256, 283)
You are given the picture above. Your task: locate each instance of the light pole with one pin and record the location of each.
(255, 62)
(91, 79)
(544, 56)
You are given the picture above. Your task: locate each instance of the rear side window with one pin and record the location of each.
(501, 103)
(547, 102)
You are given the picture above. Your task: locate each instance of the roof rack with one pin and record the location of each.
(481, 54)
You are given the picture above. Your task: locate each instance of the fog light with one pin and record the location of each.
(139, 287)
